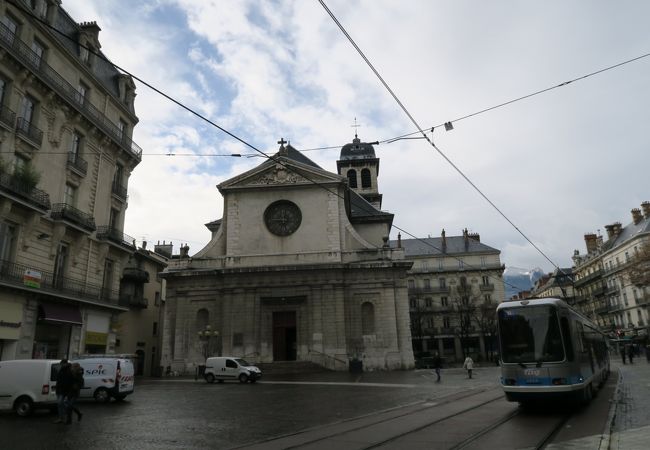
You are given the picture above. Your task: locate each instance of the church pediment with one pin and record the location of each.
(281, 172)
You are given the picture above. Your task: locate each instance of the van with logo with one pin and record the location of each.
(107, 377)
(222, 368)
(28, 384)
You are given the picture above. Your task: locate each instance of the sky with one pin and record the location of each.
(558, 165)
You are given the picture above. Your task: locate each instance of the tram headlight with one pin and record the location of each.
(559, 381)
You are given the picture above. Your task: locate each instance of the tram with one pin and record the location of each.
(549, 352)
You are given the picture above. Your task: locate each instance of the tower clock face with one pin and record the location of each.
(282, 218)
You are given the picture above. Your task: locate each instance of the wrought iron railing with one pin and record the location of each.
(133, 300)
(77, 162)
(486, 287)
(115, 235)
(74, 215)
(22, 52)
(7, 116)
(34, 196)
(136, 274)
(23, 276)
(587, 278)
(29, 130)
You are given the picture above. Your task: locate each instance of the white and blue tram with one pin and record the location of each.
(549, 351)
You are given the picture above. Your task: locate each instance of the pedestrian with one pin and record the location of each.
(437, 365)
(469, 365)
(62, 389)
(623, 354)
(77, 384)
(630, 353)
(647, 352)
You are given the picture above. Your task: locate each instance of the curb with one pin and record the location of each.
(606, 437)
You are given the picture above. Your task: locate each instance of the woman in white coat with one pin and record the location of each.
(469, 365)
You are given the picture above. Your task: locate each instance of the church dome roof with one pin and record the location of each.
(357, 150)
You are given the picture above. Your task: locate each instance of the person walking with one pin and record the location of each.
(630, 353)
(469, 365)
(62, 389)
(437, 365)
(73, 394)
(623, 354)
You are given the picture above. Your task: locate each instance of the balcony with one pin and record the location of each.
(116, 236)
(25, 277)
(486, 287)
(119, 190)
(589, 278)
(135, 274)
(77, 163)
(63, 211)
(134, 301)
(602, 310)
(32, 196)
(7, 117)
(29, 131)
(24, 54)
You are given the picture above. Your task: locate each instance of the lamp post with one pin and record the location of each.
(209, 339)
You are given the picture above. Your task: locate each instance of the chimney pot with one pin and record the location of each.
(645, 206)
(636, 215)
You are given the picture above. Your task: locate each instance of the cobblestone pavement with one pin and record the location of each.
(631, 428)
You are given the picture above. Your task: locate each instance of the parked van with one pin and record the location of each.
(107, 377)
(230, 368)
(28, 384)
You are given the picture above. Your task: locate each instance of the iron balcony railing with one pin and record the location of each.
(23, 53)
(428, 290)
(115, 235)
(135, 274)
(77, 163)
(7, 116)
(22, 276)
(63, 211)
(17, 188)
(486, 287)
(119, 190)
(134, 301)
(587, 278)
(604, 309)
(29, 130)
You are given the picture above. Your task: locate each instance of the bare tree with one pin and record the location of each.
(464, 306)
(638, 272)
(420, 315)
(486, 321)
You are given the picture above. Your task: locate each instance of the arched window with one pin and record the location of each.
(366, 179)
(202, 319)
(352, 178)
(367, 318)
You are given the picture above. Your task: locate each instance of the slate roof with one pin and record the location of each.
(433, 246)
(628, 232)
(357, 150)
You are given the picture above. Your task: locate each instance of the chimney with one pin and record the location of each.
(591, 242)
(617, 228)
(465, 238)
(185, 251)
(399, 240)
(444, 241)
(164, 249)
(475, 236)
(91, 29)
(610, 231)
(636, 215)
(645, 206)
(144, 245)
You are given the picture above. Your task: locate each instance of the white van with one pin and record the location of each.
(106, 377)
(222, 368)
(28, 384)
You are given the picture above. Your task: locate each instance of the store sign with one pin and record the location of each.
(32, 278)
(95, 338)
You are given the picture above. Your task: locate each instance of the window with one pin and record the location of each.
(625, 298)
(7, 241)
(231, 364)
(411, 284)
(154, 330)
(156, 300)
(446, 323)
(367, 318)
(430, 322)
(11, 25)
(82, 90)
(413, 303)
(121, 129)
(27, 108)
(238, 339)
(487, 298)
(202, 319)
(629, 319)
(486, 280)
(444, 301)
(424, 265)
(366, 180)
(117, 177)
(352, 178)
(443, 283)
(3, 90)
(463, 282)
(427, 284)
(440, 264)
(107, 283)
(461, 263)
(428, 302)
(38, 50)
(114, 219)
(483, 261)
(627, 257)
(75, 146)
(60, 264)
(70, 195)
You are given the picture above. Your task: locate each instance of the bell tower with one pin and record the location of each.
(360, 166)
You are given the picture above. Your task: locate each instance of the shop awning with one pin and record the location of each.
(52, 312)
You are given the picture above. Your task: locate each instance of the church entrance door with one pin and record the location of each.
(284, 336)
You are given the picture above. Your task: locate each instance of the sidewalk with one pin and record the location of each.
(631, 427)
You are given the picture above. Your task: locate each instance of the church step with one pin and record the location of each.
(287, 367)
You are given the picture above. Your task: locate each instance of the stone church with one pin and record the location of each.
(299, 268)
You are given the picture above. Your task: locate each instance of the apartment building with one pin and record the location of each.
(66, 154)
(604, 290)
(454, 286)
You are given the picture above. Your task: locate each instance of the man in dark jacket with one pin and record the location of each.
(437, 365)
(73, 394)
(64, 382)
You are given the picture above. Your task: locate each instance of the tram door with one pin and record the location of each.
(284, 336)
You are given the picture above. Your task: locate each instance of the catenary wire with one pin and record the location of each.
(202, 117)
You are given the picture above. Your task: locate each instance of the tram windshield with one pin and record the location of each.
(530, 334)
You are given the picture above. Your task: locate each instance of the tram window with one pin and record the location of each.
(530, 334)
(568, 344)
(581, 337)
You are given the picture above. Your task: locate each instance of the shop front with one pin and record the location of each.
(96, 337)
(54, 329)
(11, 320)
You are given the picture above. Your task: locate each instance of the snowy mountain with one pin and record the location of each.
(521, 279)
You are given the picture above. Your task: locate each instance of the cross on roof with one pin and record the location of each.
(355, 126)
(282, 142)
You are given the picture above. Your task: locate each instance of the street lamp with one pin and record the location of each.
(209, 339)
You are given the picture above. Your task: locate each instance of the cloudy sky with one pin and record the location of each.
(558, 164)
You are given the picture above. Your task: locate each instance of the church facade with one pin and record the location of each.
(299, 268)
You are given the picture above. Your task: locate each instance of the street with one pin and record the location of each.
(388, 409)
